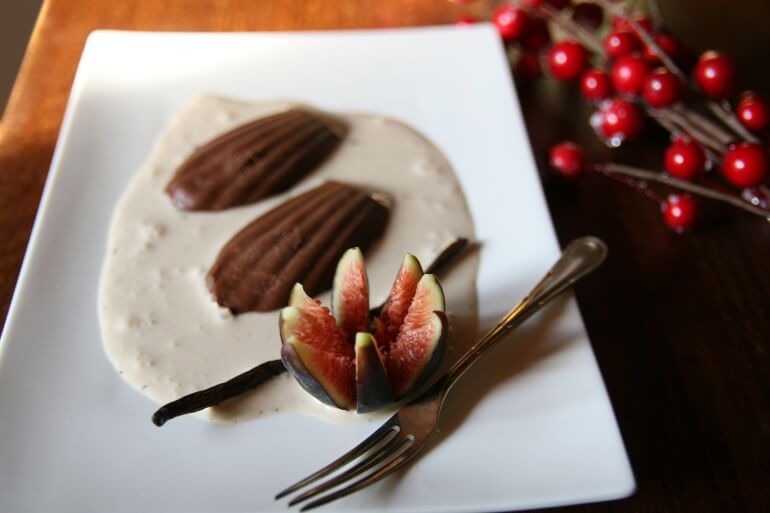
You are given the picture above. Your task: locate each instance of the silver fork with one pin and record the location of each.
(410, 429)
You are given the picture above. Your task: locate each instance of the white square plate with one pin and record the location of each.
(74, 437)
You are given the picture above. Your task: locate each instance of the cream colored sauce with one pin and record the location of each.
(167, 337)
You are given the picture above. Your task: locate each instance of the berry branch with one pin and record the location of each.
(668, 62)
(653, 7)
(685, 124)
(569, 25)
(653, 176)
(641, 71)
(618, 10)
(729, 119)
(721, 135)
(639, 186)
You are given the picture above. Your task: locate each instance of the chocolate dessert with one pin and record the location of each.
(298, 241)
(255, 160)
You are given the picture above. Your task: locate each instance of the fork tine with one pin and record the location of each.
(371, 441)
(397, 460)
(373, 458)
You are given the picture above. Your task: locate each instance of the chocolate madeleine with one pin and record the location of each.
(298, 241)
(255, 160)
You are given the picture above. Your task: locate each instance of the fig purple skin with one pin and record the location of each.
(372, 385)
(296, 368)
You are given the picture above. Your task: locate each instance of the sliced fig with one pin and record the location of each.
(372, 385)
(418, 347)
(298, 241)
(397, 304)
(315, 324)
(347, 368)
(350, 293)
(316, 352)
(255, 160)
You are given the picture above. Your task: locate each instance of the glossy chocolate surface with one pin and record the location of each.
(256, 160)
(298, 241)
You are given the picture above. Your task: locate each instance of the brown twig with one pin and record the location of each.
(639, 186)
(652, 176)
(566, 23)
(728, 118)
(653, 7)
(677, 131)
(723, 136)
(671, 127)
(646, 37)
(689, 127)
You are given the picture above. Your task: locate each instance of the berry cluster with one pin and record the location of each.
(633, 70)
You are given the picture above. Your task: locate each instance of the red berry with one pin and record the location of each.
(667, 43)
(628, 74)
(620, 23)
(680, 212)
(620, 43)
(528, 66)
(753, 112)
(465, 20)
(556, 4)
(568, 159)
(567, 60)
(715, 74)
(595, 84)
(662, 88)
(619, 119)
(536, 37)
(510, 21)
(588, 15)
(745, 164)
(684, 160)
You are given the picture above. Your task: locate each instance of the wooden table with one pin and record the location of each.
(680, 324)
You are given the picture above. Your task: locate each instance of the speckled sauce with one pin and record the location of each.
(160, 327)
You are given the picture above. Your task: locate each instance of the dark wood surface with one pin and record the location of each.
(680, 324)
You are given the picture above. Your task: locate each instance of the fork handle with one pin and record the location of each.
(580, 257)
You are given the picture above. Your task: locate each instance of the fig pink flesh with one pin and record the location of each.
(327, 358)
(316, 327)
(397, 305)
(350, 296)
(419, 337)
(348, 368)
